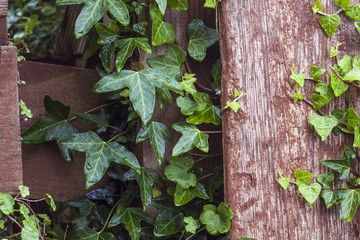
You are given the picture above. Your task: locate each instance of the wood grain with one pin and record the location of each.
(260, 42)
(3, 27)
(10, 152)
(3, 8)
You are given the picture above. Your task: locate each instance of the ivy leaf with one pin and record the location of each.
(85, 207)
(316, 72)
(233, 105)
(310, 193)
(6, 203)
(126, 48)
(317, 6)
(170, 62)
(329, 198)
(162, 32)
(216, 74)
(183, 196)
(162, 5)
(178, 172)
(284, 182)
(178, 5)
(24, 191)
(157, 132)
(188, 106)
(132, 217)
(353, 12)
(323, 125)
(356, 143)
(345, 63)
(326, 179)
(107, 34)
(326, 95)
(191, 224)
(216, 219)
(100, 121)
(337, 85)
(146, 181)
(352, 118)
(343, 3)
(341, 166)
(30, 230)
(142, 88)
(215, 182)
(334, 50)
(125, 199)
(298, 78)
(349, 201)
(352, 75)
(191, 137)
(296, 96)
(99, 155)
(83, 233)
(357, 26)
(188, 83)
(140, 28)
(200, 38)
(169, 220)
(52, 126)
(330, 24)
(303, 177)
(50, 201)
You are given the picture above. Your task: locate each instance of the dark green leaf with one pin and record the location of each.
(329, 197)
(216, 74)
(337, 85)
(326, 95)
(100, 121)
(353, 12)
(178, 4)
(352, 118)
(142, 88)
(178, 172)
(157, 132)
(310, 193)
(323, 125)
(99, 155)
(317, 6)
(85, 233)
(349, 201)
(107, 34)
(216, 219)
(170, 62)
(200, 38)
(341, 166)
(125, 199)
(140, 28)
(85, 207)
(326, 179)
(52, 126)
(183, 196)
(215, 182)
(316, 72)
(106, 56)
(119, 10)
(330, 24)
(303, 177)
(340, 115)
(162, 32)
(131, 217)
(191, 224)
(191, 137)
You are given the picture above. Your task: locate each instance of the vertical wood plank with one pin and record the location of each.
(3, 27)
(260, 42)
(10, 151)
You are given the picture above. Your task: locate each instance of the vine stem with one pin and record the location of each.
(205, 155)
(337, 74)
(188, 69)
(94, 109)
(327, 14)
(195, 233)
(36, 220)
(211, 132)
(11, 236)
(108, 218)
(117, 135)
(317, 81)
(28, 200)
(182, 235)
(235, 100)
(14, 220)
(203, 177)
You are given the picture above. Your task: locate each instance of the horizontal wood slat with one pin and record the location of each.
(3, 8)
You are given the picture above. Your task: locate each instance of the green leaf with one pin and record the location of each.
(326, 179)
(6, 203)
(178, 172)
(310, 193)
(352, 75)
(85, 233)
(85, 207)
(188, 106)
(191, 137)
(162, 32)
(343, 3)
(162, 5)
(317, 6)
(119, 10)
(50, 201)
(356, 143)
(341, 166)
(303, 177)
(140, 28)
(316, 72)
(30, 230)
(68, 2)
(216, 219)
(330, 24)
(24, 110)
(349, 201)
(107, 34)
(323, 125)
(357, 26)
(170, 62)
(169, 220)
(142, 88)
(284, 182)
(24, 191)
(345, 63)
(298, 78)
(337, 85)
(200, 38)
(132, 217)
(125, 199)
(191, 224)
(297, 96)
(157, 132)
(100, 121)
(215, 182)
(52, 126)
(340, 115)
(233, 105)
(126, 48)
(211, 3)
(99, 155)
(183, 196)
(353, 12)
(188, 83)
(216, 74)
(329, 197)
(352, 119)
(178, 5)
(326, 95)
(146, 181)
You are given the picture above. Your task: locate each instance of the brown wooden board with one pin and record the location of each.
(45, 171)
(3, 27)
(10, 151)
(3, 8)
(260, 42)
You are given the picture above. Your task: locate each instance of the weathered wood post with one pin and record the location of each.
(260, 42)
(10, 150)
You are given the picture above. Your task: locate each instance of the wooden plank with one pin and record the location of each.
(45, 171)
(3, 26)
(3, 8)
(260, 42)
(10, 151)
